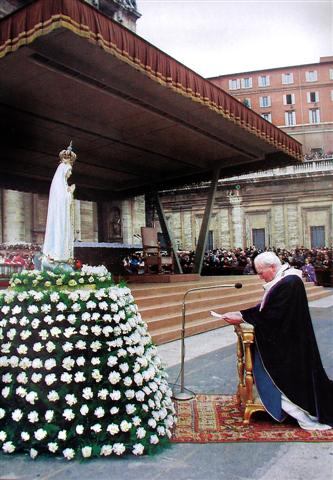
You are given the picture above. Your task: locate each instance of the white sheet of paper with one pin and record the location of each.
(214, 314)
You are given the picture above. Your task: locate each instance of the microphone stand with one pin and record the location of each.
(182, 395)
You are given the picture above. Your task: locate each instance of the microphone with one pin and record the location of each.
(182, 395)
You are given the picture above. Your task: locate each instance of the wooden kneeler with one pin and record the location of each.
(246, 392)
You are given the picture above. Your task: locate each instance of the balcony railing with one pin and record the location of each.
(307, 167)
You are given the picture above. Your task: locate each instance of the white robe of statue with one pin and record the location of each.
(59, 235)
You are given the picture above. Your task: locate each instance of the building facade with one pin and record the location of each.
(284, 207)
(298, 99)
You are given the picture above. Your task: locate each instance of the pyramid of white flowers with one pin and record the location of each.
(80, 376)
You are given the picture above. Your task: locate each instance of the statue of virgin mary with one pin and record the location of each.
(58, 248)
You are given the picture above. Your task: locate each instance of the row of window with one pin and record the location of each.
(288, 99)
(290, 117)
(264, 80)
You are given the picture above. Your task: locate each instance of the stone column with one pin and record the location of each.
(13, 217)
(293, 221)
(224, 228)
(237, 216)
(278, 226)
(187, 230)
(88, 223)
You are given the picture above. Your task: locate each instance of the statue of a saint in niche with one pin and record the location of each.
(58, 248)
(115, 233)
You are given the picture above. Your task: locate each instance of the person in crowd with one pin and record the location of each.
(308, 271)
(288, 371)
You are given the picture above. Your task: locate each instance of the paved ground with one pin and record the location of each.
(210, 368)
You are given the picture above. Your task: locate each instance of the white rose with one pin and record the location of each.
(114, 377)
(152, 423)
(96, 375)
(79, 377)
(114, 410)
(22, 350)
(62, 435)
(68, 453)
(115, 395)
(113, 429)
(54, 297)
(140, 396)
(49, 415)
(52, 446)
(25, 436)
(33, 417)
(97, 428)
(50, 363)
(50, 378)
(31, 397)
(138, 449)
(102, 394)
(87, 393)
(99, 412)
(84, 410)
(71, 318)
(112, 361)
(86, 452)
(106, 450)
(17, 415)
(40, 434)
(50, 346)
(81, 345)
(2, 413)
(136, 421)
(8, 447)
(5, 392)
(128, 381)
(119, 448)
(130, 394)
(53, 396)
(125, 426)
(95, 346)
(79, 429)
(68, 414)
(130, 408)
(70, 399)
(67, 347)
(154, 439)
(3, 436)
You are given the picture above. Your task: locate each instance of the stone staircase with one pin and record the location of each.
(160, 305)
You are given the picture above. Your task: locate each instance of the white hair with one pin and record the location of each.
(268, 259)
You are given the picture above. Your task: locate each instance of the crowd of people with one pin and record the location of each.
(22, 255)
(219, 261)
(238, 261)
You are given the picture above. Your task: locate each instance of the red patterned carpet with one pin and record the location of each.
(218, 418)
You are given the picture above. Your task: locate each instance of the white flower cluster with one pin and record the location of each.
(100, 271)
(79, 375)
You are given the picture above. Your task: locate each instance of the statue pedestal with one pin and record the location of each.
(48, 266)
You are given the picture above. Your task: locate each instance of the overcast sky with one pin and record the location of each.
(215, 37)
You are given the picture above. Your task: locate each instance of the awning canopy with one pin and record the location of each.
(138, 119)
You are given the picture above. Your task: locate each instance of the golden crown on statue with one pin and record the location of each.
(67, 155)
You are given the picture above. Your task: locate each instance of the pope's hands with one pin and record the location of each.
(233, 318)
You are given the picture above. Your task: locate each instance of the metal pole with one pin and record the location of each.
(182, 395)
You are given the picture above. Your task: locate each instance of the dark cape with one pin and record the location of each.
(288, 348)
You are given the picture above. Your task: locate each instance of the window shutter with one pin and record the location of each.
(308, 97)
(293, 99)
(286, 118)
(284, 99)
